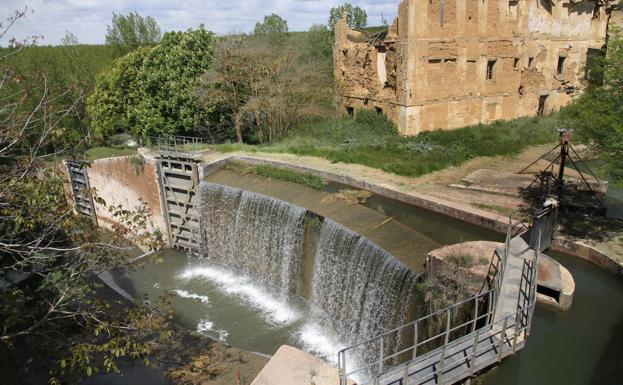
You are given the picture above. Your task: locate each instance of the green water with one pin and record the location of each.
(583, 346)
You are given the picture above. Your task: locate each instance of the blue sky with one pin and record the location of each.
(88, 19)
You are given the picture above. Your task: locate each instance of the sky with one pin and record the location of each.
(87, 19)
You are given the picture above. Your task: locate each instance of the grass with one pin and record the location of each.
(277, 173)
(109, 152)
(370, 139)
(464, 261)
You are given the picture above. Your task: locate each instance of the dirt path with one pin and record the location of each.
(437, 184)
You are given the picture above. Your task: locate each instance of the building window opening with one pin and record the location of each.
(542, 100)
(560, 70)
(490, 68)
(516, 62)
(531, 62)
(350, 111)
(513, 9)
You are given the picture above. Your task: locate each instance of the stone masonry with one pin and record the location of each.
(446, 64)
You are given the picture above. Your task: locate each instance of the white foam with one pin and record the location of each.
(222, 335)
(277, 310)
(185, 294)
(204, 325)
(315, 340)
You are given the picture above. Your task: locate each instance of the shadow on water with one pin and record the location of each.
(578, 347)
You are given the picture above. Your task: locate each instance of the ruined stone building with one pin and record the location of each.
(445, 64)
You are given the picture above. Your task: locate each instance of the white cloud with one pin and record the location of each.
(88, 19)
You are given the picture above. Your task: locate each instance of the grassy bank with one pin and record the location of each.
(370, 140)
(277, 173)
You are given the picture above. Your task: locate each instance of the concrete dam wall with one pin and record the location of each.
(356, 289)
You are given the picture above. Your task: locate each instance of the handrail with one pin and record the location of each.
(511, 327)
(420, 320)
(177, 143)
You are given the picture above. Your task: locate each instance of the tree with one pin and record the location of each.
(230, 81)
(597, 116)
(151, 92)
(131, 31)
(265, 89)
(356, 17)
(274, 27)
(115, 93)
(49, 255)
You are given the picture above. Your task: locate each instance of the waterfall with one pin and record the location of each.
(252, 234)
(358, 290)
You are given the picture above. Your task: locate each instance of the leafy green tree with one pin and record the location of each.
(131, 31)
(263, 88)
(151, 92)
(116, 92)
(597, 116)
(356, 17)
(274, 27)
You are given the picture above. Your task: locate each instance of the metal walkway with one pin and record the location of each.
(477, 333)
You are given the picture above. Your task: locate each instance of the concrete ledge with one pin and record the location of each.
(462, 212)
(555, 281)
(291, 366)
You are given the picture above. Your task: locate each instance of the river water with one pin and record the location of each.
(582, 346)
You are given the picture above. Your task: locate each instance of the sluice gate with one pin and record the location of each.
(178, 176)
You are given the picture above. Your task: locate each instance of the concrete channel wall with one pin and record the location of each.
(128, 182)
(120, 182)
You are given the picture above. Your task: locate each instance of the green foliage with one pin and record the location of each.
(149, 92)
(267, 171)
(261, 89)
(111, 105)
(597, 116)
(55, 252)
(274, 28)
(291, 176)
(67, 75)
(464, 261)
(369, 139)
(131, 31)
(319, 43)
(356, 17)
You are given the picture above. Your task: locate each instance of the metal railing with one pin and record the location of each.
(393, 355)
(174, 143)
(422, 342)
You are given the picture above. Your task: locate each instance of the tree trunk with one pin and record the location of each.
(238, 132)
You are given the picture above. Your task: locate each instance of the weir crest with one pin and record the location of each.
(356, 289)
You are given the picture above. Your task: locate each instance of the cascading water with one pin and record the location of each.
(357, 290)
(252, 234)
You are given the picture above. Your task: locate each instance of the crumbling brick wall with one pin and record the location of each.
(448, 64)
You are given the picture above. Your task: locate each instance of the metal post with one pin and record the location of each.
(415, 340)
(381, 350)
(343, 369)
(565, 137)
(502, 337)
(475, 313)
(474, 350)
